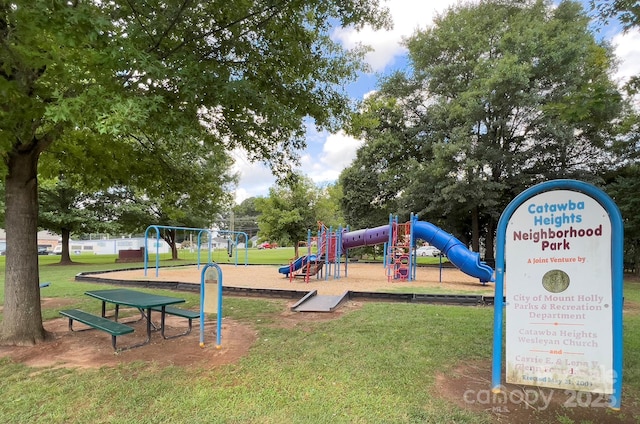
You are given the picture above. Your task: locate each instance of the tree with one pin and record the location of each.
(243, 218)
(194, 188)
(373, 182)
(328, 207)
(93, 76)
(291, 210)
(624, 188)
(501, 95)
(65, 209)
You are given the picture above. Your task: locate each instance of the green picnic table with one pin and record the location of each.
(142, 301)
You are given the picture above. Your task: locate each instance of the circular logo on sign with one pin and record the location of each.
(555, 281)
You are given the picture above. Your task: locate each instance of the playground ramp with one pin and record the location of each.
(312, 302)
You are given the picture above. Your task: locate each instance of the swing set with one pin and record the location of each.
(201, 232)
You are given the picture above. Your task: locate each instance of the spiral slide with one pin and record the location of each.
(463, 258)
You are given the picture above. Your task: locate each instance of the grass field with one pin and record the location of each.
(374, 364)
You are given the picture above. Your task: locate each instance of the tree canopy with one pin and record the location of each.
(500, 95)
(95, 80)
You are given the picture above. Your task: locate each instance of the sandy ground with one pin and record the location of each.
(359, 277)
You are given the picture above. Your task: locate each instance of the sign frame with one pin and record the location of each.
(617, 270)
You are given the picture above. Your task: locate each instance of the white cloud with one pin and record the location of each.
(407, 16)
(627, 49)
(337, 153)
(255, 178)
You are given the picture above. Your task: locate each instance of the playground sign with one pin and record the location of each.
(559, 253)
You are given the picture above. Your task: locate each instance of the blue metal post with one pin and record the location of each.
(219, 313)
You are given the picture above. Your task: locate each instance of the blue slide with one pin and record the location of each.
(299, 263)
(464, 259)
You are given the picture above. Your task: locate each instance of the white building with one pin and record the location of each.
(112, 246)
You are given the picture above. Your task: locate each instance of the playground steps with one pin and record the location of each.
(312, 302)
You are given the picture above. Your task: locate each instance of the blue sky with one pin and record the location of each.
(328, 154)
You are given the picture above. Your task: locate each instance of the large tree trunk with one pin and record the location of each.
(22, 317)
(65, 259)
(174, 251)
(171, 239)
(169, 235)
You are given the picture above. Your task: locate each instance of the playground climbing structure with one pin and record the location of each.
(399, 240)
(399, 261)
(323, 255)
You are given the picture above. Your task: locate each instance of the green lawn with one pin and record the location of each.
(375, 364)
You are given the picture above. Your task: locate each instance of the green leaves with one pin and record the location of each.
(252, 71)
(501, 95)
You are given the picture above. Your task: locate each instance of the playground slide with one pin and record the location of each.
(463, 258)
(299, 263)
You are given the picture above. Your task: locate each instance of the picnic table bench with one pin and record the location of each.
(183, 313)
(112, 327)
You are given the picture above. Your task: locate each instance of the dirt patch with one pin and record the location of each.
(92, 349)
(469, 387)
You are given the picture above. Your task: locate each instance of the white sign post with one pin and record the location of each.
(560, 259)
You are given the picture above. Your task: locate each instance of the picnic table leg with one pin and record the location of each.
(148, 325)
(116, 313)
(104, 309)
(162, 316)
(145, 315)
(148, 340)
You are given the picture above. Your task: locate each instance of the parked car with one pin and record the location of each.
(267, 245)
(428, 251)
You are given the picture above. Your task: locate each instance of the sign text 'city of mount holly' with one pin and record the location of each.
(554, 216)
